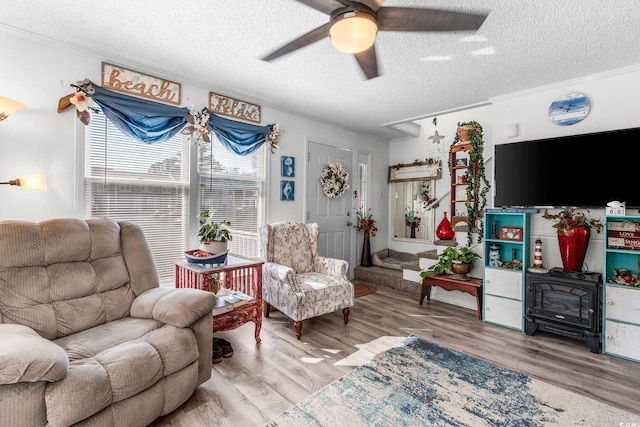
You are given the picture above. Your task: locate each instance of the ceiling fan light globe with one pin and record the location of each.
(353, 32)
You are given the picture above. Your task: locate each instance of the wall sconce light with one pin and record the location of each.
(35, 182)
(8, 106)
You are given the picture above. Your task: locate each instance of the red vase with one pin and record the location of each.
(444, 230)
(573, 247)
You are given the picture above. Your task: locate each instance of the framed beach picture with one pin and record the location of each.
(287, 190)
(511, 233)
(287, 166)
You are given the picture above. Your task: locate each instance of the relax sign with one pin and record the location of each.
(134, 83)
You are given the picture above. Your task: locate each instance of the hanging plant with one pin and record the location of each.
(478, 187)
(335, 181)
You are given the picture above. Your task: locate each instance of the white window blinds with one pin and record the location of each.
(148, 184)
(231, 187)
(145, 183)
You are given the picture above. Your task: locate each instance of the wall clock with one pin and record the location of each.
(569, 109)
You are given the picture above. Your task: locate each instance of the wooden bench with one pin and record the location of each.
(473, 286)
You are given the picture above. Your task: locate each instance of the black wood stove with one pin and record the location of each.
(565, 303)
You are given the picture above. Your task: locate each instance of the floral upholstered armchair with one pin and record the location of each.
(296, 280)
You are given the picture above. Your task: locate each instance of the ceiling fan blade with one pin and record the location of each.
(418, 19)
(325, 6)
(302, 41)
(368, 62)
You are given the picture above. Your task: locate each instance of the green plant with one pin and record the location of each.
(568, 218)
(478, 186)
(451, 255)
(211, 230)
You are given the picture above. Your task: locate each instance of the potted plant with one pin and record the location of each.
(458, 259)
(477, 182)
(213, 235)
(573, 230)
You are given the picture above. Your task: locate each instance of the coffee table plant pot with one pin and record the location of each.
(214, 235)
(573, 230)
(457, 259)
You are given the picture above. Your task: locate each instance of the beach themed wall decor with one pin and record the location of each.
(287, 190)
(287, 166)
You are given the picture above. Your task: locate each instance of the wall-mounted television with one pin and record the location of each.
(587, 171)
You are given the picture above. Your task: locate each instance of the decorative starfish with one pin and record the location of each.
(436, 138)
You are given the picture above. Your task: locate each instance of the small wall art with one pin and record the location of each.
(135, 83)
(417, 171)
(287, 190)
(232, 107)
(287, 166)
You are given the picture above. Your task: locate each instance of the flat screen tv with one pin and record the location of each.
(585, 171)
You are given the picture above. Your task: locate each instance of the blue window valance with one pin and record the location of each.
(152, 122)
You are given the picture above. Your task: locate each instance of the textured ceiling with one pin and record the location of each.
(218, 45)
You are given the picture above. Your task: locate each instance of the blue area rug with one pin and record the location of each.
(419, 383)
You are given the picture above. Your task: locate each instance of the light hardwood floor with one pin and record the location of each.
(262, 380)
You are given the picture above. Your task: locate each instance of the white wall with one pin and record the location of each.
(612, 97)
(416, 148)
(39, 138)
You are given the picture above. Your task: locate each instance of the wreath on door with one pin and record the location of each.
(335, 181)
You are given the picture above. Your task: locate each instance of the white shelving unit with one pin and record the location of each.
(503, 288)
(621, 303)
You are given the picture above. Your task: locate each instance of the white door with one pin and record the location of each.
(333, 216)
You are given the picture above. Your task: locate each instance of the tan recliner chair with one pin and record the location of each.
(87, 336)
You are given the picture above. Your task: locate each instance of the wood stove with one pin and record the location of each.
(564, 303)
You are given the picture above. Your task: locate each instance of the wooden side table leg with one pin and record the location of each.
(426, 291)
(258, 327)
(478, 293)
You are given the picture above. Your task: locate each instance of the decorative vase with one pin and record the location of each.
(213, 247)
(413, 232)
(573, 247)
(444, 230)
(365, 258)
(460, 270)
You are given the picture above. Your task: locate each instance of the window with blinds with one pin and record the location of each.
(125, 179)
(231, 187)
(148, 184)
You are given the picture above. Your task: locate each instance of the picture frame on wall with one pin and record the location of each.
(287, 166)
(287, 190)
(511, 233)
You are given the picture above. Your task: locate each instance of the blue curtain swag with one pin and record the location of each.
(151, 122)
